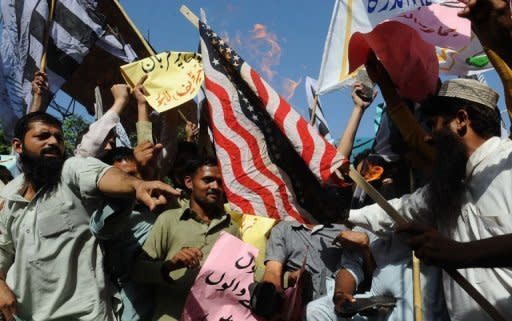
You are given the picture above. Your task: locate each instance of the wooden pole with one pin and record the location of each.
(47, 32)
(416, 271)
(454, 274)
(313, 110)
(182, 116)
(190, 16)
(416, 287)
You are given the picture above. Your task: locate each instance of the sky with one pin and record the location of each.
(282, 39)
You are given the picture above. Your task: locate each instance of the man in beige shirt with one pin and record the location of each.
(50, 264)
(181, 239)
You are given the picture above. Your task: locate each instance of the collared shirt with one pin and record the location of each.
(53, 263)
(393, 277)
(486, 212)
(290, 241)
(174, 230)
(123, 230)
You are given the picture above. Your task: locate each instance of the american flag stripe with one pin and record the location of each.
(266, 178)
(261, 184)
(271, 160)
(315, 152)
(234, 152)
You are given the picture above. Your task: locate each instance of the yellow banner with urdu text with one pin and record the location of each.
(173, 78)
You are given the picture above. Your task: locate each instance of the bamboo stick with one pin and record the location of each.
(47, 33)
(313, 110)
(416, 272)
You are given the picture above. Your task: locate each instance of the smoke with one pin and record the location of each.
(264, 44)
(261, 48)
(288, 87)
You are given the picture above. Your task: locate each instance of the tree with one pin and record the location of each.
(5, 144)
(73, 126)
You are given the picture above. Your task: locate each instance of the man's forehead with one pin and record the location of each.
(40, 126)
(208, 170)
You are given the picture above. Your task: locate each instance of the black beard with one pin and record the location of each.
(41, 170)
(446, 189)
(214, 208)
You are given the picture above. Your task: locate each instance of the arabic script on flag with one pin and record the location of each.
(173, 78)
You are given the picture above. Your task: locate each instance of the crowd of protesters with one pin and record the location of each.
(114, 233)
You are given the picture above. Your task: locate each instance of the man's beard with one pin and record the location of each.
(215, 208)
(42, 170)
(446, 189)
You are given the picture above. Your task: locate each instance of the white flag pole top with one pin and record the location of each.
(349, 17)
(190, 16)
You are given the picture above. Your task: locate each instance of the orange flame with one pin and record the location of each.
(264, 44)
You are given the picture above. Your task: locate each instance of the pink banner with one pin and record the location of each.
(439, 25)
(221, 290)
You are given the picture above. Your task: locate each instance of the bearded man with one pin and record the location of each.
(468, 198)
(51, 267)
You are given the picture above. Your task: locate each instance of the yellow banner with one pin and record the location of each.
(254, 230)
(173, 78)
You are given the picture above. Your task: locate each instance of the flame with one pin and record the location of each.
(289, 87)
(264, 44)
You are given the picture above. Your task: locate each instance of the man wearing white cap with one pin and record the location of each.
(469, 198)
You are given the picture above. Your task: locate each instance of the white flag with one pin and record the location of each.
(349, 17)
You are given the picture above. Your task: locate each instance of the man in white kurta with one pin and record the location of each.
(485, 212)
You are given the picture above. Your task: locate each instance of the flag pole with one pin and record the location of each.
(454, 274)
(182, 116)
(191, 17)
(47, 32)
(313, 110)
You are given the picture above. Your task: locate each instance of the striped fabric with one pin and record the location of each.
(75, 29)
(272, 161)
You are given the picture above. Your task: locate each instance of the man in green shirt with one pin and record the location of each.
(182, 238)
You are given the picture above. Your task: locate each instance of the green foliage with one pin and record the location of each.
(5, 145)
(72, 127)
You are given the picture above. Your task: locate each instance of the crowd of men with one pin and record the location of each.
(100, 236)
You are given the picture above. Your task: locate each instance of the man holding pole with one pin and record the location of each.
(468, 198)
